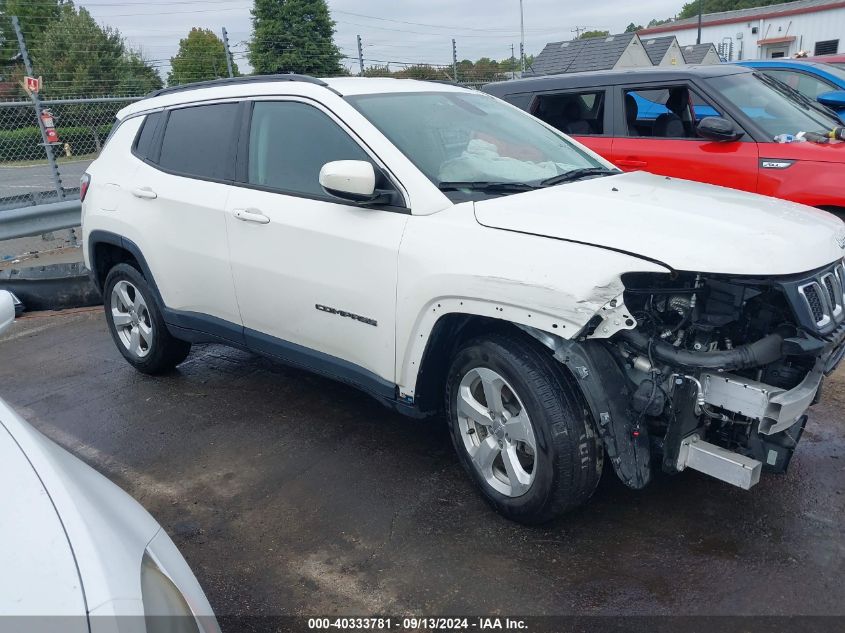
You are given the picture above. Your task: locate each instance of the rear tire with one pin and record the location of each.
(136, 323)
(534, 453)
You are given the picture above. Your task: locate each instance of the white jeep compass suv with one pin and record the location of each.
(447, 252)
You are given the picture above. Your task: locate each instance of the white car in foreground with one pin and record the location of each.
(77, 553)
(448, 253)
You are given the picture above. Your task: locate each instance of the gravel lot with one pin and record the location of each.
(290, 494)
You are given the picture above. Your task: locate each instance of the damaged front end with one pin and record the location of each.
(709, 372)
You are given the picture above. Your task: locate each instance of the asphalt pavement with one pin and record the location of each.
(290, 494)
(19, 180)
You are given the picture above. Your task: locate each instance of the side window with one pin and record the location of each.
(807, 85)
(660, 113)
(520, 100)
(289, 142)
(199, 140)
(700, 108)
(581, 114)
(145, 136)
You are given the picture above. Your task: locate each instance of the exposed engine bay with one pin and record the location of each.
(710, 372)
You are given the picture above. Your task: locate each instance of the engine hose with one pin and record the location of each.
(766, 350)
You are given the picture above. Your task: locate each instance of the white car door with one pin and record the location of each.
(315, 276)
(180, 190)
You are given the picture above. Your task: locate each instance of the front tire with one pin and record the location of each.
(136, 323)
(521, 428)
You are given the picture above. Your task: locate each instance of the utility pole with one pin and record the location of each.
(228, 52)
(521, 36)
(700, 9)
(578, 30)
(360, 57)
(36, 101)
(513, 64)
(454, 61)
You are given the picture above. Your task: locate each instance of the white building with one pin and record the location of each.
(779, 30)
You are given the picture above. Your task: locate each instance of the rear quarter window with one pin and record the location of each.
(143, 143)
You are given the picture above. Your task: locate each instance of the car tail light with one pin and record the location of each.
(84, 183)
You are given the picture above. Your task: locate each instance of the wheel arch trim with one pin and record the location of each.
(605, 388)
(417, 342)
(98, 237)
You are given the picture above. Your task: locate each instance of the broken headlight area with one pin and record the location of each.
(716, 375)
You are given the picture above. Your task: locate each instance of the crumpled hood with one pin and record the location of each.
(683, 224)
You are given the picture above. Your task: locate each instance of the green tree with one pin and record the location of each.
(201, 56)
(690, 9)
(76, 56)
(293, 36)
(657, 22)
(633, 28)
(33, 15)
(420, 71)
(588, 34)
(378, 71)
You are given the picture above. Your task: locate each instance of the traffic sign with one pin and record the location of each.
(32, 84)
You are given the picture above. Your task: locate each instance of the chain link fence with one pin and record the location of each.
(81, 127)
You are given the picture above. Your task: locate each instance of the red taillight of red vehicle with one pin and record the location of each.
(84, 183)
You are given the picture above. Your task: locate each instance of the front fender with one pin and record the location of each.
(814, 183)
(548, 284)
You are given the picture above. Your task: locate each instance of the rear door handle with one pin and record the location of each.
(631, 163)
(251, 215)
(144, 192)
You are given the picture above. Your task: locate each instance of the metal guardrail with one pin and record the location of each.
(42, 218)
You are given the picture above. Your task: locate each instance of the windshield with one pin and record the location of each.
(472, 138)
(772, 105)
(835, 69)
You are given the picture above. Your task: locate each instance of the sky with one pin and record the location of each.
(391, 30)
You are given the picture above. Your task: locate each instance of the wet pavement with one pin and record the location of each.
(291, 494)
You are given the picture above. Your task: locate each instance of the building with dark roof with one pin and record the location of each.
(663, 51)
(595, 53)
(701, 54)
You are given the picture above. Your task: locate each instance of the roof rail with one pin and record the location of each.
(227, 81)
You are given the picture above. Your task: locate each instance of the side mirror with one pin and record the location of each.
(834, 100)
(353, 180)
(715, 128)
(7, 309)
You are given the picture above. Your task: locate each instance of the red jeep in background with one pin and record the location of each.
(715, 124)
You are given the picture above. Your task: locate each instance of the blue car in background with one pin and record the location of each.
(820, 82)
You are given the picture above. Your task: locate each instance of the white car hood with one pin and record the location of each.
(685, 225)
(38, 574)
(102, 528)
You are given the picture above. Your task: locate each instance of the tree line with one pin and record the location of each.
(77, 56)
(691, 9)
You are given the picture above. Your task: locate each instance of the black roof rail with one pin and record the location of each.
(228, 81)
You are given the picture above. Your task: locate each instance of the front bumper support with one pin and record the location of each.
(718, 462)
(775, 409)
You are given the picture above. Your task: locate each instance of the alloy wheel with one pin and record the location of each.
(496, 431)
(131, 318)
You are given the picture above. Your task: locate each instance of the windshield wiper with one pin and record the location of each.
(790, 92)
(577, 174)
(491, 186)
